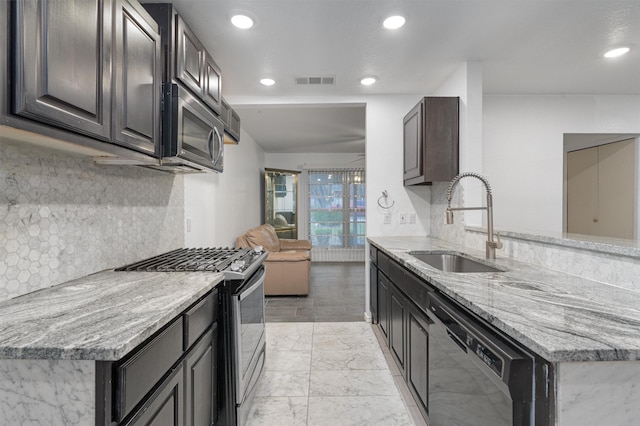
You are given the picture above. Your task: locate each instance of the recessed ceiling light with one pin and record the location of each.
(394, 22)
(368, 81)
(242, 21)
(268, 81)
(616, 52)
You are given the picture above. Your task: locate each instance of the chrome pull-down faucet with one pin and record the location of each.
(491, 245)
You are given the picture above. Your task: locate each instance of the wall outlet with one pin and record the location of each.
(387, 218)
(412, 217)
(188, 224)
(403, 218)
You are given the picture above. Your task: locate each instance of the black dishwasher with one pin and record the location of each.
(475, 377)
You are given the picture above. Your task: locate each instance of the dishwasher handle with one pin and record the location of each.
(456, 341)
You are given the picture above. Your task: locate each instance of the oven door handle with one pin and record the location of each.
(253, 285)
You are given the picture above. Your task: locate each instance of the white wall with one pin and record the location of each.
(220, 207)
(523, 150)
(384, 167)
(466, 83)
(384, 160)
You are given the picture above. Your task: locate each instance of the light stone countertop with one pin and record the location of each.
(615, 246)
(99, 317)
(561, 317)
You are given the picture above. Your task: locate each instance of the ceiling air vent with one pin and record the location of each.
(315, 81)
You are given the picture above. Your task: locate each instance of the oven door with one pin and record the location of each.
(191, 132)
(249, 333)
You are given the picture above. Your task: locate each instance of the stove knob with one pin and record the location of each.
(235, 266)
(258, 249)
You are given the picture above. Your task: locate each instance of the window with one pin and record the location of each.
(337, 208)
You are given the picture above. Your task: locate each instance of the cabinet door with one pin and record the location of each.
(190, 56)
(383, 304)
(212, 84)
(201, 380)
(418, 358)
(397, 328)
(63, 64)
(138, 69)
(440, 139)
(166, 405)
(412, 140)
(373, 292)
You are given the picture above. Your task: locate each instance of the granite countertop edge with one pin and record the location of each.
(101, 317)
(575, 343)
(601, 245)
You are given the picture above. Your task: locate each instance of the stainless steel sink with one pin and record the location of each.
(452, 262)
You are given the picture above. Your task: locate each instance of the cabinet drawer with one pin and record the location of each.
(139, 373)
(383, 263)
(373, 254)
(415, 289)
(396, 272)
(199, 317)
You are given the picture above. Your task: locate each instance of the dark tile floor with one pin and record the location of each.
(336, 294)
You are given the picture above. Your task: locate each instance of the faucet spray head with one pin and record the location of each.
(449, 217)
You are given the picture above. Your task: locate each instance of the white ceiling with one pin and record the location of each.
(526, 47)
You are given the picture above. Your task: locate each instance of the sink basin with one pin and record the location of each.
(453, 262)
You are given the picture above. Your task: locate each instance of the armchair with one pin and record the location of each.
(288, 264)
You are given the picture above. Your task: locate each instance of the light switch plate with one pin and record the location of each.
(387, 218)
(403, 218)
(412, 217)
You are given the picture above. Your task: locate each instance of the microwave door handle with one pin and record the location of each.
(218, 138)
(210, 144)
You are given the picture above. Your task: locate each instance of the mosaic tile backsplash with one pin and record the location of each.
(63, 217)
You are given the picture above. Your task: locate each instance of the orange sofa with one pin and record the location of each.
(288, 264)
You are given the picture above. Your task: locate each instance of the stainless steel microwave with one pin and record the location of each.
(192, 135)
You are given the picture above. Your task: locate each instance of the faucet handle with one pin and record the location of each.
(498, 243)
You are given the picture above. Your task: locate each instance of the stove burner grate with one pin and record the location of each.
(216, 259)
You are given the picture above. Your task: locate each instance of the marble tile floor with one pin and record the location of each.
(330, 374)
(336, 293)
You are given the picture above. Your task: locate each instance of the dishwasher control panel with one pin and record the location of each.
(485, 354)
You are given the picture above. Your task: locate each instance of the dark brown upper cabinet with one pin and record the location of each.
(430, 139)
(186, 60)
(138, 78)
(231, 121)
(62, 64)
(87, 71)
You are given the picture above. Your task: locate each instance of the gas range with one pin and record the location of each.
(235, 263)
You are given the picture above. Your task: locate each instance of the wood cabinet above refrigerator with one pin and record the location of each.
(430, 139)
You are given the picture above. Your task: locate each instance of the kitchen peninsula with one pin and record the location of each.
(587, 331)
(54, 341)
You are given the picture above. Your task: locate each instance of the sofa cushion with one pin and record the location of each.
(288, 256)
(265, 236)
(286, 244)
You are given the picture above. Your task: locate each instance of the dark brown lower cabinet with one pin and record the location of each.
(200, 381)
(171, 379)
(373, 292)
(418, 358)
(400, 300)
(165, 406)
(383, 304)
(397, 329)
